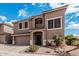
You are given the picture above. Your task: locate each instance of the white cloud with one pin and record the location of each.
(33, 3)
(3, 18)
(74, 4)
(72, 25)
(70, 18)
(10, 23)
(71, 9)
(76, 35)
(75, 26)
(13, 20)
(22, 12)
(77, 14)
(42, 5)
(54, 5)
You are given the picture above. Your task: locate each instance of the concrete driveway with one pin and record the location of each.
(11, 50)
(14, 50)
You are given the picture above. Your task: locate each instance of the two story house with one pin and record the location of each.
(38, 29)
(5, 33)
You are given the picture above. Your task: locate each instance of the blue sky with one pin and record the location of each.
(12, 12)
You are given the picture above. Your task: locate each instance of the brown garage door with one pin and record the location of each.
(23, 40)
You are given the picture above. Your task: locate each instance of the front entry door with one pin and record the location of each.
(38, 40)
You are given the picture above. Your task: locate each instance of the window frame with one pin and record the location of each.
(19, 25)
(54, 22)
(27, 25)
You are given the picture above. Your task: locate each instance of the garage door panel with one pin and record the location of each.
(23, 40)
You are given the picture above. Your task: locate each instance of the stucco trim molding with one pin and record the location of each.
(20, 34)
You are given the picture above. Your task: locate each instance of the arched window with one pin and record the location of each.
(38, 23)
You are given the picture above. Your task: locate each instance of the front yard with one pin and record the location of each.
(13, 50)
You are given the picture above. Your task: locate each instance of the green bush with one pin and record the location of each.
(69, 39)
(58, 40)
(75, 42)
(33, 48)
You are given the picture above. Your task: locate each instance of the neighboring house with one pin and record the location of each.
(5, 33)
(38, 29)
(77, 37)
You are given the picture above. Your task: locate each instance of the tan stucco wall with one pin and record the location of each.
(17, 30)
(31, 25)
(51, 33)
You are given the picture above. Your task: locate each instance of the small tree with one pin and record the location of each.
(57, 40)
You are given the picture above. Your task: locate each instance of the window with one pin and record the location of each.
(26, 24)
(38, 21)
(50, 24)
(20, 25)
(54, 23)
(57, 23)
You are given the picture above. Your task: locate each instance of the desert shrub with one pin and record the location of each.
(69, 39)
(75, 42)
(57, 40)
(33, 48)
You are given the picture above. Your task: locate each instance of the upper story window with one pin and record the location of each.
(57, 23)
(38, 21)
(50, 24)
(20, 25)
(54, 23)
(26, 24)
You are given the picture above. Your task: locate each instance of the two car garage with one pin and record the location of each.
(22, 40)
